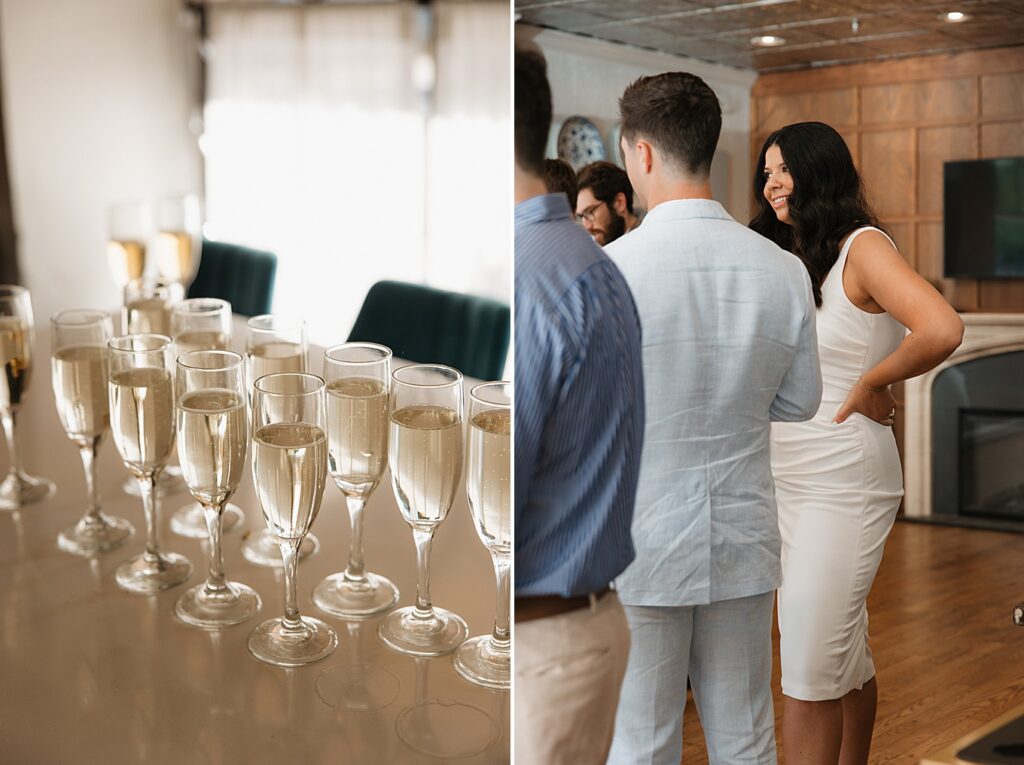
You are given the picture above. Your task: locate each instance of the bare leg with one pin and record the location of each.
(812, 731)
(858, 723)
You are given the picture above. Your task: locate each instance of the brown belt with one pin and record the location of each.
(530, 608)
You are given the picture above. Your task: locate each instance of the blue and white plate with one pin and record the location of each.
(579, 142)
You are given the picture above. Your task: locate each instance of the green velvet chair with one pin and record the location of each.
(241, 275)
(424, 324)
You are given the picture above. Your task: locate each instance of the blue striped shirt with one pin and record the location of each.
(579, 406)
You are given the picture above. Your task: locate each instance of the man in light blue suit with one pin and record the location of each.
(729, 346)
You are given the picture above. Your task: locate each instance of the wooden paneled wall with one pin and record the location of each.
(902, 119)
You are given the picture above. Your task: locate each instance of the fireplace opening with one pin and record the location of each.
(992, 463)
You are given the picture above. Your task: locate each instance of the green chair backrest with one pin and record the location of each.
(429, 325)
(241, 275)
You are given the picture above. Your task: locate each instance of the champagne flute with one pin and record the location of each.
(289, 468)
(148, 302)
(16, 337)
(202, 324)
(177, 244)
(142, 419)
(212, 440)
(425, 454)
(128, 229)
(274, 344)
(486, 660)
(79, 380)
(358, 376)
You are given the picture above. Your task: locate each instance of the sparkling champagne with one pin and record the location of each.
(16, 357)
(488, 482)
(212, 443)
(289, 465)
(149, 315)
(142, 417)
(175, 257)
(426, 461)
(357, 429)
(276, 356)
(201, 340)
(80, 389)
(127, 259)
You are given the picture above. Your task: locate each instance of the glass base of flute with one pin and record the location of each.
(350, 598)
(212, 608)
(19, 489)
(261, 548)
(435, 632)
(94, 534)
(149, 573)
(482, 661)
(190, 521)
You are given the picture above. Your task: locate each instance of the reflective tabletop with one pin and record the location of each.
(90, 673)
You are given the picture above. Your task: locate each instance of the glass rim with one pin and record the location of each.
(236, 360)
(13, 290)
(308, 376)
(164, 342)
(476, 390)
(65, 318)
(148, 280)
(386, 353)
(291, 322)
(442, 368)
(189, 306)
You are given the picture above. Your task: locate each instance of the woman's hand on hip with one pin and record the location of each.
(876, 404)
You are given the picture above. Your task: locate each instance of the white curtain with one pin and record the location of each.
(315, 148)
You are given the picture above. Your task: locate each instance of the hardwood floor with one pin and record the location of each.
(948, 656)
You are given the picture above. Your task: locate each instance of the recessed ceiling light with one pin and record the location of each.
(954, 17)
(767, 41)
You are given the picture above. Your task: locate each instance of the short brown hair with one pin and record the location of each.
(679, 114)
(559, 176)
(532, 108)
(606, 181)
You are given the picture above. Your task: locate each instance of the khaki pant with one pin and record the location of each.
(568, 672)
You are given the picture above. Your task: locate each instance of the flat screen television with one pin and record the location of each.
(984, 218)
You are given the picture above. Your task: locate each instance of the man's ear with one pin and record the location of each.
(619, 204)
(646, 155)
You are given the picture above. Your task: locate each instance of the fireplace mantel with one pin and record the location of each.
(985, 334)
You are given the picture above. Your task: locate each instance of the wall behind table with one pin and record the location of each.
(902, 119)
(588, 76)
(97, 101)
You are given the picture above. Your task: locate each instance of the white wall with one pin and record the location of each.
(587, 77)
(97, 98)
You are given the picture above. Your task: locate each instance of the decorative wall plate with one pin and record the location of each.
(579, 142)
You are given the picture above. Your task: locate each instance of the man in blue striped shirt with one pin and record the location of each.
(579, 418)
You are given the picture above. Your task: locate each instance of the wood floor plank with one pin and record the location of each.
(948, 655)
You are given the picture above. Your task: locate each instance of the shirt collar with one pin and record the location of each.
(542, 208)
(680, 209)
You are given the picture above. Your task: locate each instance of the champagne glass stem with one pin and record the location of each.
(290, 556)
(7, 418)
(147, 486)
(500, 637)
(215, 583)
(88, 453)
(356, 569)
(423, 538)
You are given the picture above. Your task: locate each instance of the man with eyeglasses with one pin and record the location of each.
(604, 202)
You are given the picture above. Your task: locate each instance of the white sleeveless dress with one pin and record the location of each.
(838, 488)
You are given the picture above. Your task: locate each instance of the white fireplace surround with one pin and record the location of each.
(985, 334)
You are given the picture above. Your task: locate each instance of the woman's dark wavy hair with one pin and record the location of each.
(827, 201)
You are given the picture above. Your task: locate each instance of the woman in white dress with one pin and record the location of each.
(837, 477)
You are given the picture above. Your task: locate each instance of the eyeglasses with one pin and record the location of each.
(588, 214)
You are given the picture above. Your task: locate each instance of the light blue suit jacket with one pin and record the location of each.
(729, 345)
